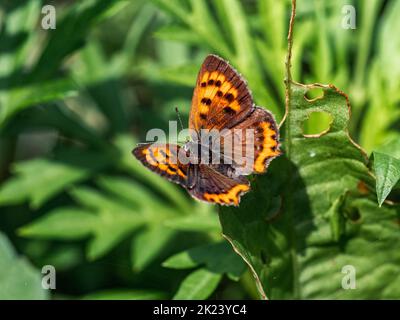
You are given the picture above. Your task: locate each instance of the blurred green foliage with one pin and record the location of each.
(75, 100)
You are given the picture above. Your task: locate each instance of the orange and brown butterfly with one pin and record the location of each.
(222, 101)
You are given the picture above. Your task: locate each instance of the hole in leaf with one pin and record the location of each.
(318, 123)
(314, 94)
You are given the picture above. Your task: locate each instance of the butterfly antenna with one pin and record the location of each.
(179, 117)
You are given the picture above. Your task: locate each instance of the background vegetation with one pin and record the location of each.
(75, 100)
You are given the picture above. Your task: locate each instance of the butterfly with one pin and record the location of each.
(221, 101)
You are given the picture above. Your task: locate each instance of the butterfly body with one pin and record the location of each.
(231, 138)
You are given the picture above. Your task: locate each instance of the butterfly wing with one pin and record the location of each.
(163, 160)
(221, 97)
(217, 184)
(255, 142)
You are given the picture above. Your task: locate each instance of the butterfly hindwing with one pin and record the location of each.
(163, 160)
(258, 148)
(215, 184)
(221, 97)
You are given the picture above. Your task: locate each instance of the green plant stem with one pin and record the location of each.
(288, 195)
(288, 64)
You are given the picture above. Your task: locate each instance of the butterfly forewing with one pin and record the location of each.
(163, 159)
(221, 97)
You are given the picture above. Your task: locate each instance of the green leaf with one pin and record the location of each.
(387, 171)
(81, 16)
(204, 223)
(183, 75)
(64, 257)
(18, 279)
(18, 20)
(217, 257)
(388, 45)
(326, 217)
(94, 200)
(38, 180)
(108, 234)
(67, 122)
(177, 33)
(200, 284)
(107, 219)
(131, 192)
(173, 7)
(115, 220)
(125, 294)
(148, 245)
(63, 223)
(17, 99)
(391, 147)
